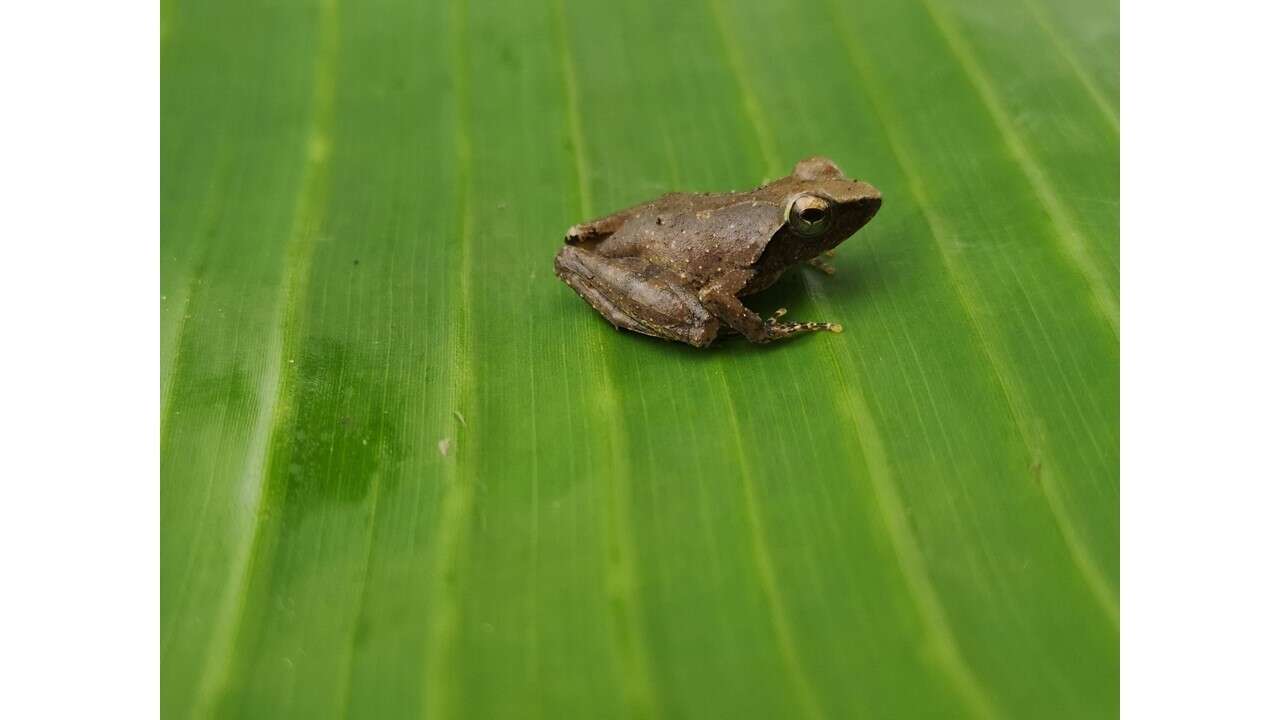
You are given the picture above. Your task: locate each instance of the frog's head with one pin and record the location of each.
(823, 207)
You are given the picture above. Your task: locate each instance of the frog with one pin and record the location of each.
(677, 267)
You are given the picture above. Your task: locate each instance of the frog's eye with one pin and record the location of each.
(809, 215)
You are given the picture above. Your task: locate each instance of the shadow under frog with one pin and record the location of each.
(677, 267)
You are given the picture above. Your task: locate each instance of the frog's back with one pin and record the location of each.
(696, 235)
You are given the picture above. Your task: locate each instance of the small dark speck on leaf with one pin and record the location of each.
(355, 262)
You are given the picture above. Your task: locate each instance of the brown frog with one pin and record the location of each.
(676, 267)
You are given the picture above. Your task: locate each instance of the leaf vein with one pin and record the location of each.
(453, 529)
(1070, 240)
(622, 584)
(854, 407)
(1105, 107)
(276, 388)
(1015, 397)
(778, 616)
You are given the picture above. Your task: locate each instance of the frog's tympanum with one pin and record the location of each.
(676, 267)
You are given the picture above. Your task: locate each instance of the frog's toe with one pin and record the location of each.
(780, 330)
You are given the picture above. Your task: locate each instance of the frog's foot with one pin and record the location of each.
(822, 265)
(719, 297)
(779, 330)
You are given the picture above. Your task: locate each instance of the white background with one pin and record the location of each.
(79, 365)
(79, 360)
(1200, 447)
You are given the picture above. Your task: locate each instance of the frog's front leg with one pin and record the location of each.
(821, 263)
(720, 297)
(633, 294)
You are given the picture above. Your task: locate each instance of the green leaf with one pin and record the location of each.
(407, 473)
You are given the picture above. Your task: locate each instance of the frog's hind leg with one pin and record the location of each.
(601, 302)
(592, 232)
(633, 294)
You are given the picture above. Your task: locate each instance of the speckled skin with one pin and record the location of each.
(676, 267)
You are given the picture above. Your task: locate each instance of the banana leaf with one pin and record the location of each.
(408, 473)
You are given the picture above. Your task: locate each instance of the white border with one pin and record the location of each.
(79, 299)
(1199, 360)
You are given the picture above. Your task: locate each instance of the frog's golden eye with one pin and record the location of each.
(809, 215)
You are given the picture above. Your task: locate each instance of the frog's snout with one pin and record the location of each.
(869, 198)
(854, 193)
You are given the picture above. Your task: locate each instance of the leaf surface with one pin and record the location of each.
(407, 473)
